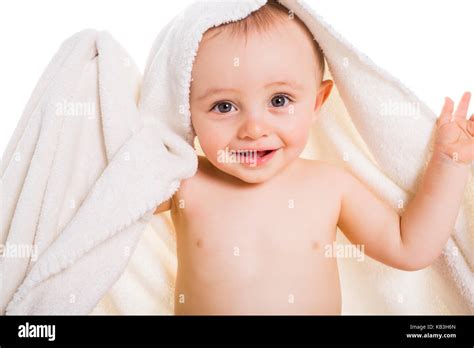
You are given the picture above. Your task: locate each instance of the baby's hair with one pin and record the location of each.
(265, 17)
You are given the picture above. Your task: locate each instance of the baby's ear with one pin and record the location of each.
(323, 93)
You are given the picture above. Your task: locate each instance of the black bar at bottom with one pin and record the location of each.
(348, 330)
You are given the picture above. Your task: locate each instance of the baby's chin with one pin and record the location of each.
(249, 175)
(254, 177)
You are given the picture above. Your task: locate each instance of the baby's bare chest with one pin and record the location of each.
(256, 250)
(260, 249)
(262, 222)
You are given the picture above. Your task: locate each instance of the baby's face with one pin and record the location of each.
(261, 95)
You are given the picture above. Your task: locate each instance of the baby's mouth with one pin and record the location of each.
(254, 153)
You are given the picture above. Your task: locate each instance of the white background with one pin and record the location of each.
(428, 44)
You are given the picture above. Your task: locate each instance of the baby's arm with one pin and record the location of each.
(416, 239)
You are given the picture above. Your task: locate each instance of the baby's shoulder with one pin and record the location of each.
(320, 176)
(198, 181)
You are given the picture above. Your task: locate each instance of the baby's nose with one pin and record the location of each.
(254, 127)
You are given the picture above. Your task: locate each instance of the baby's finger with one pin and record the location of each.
(447, 107)
(470, 125)
(446, 112)
(463, 106)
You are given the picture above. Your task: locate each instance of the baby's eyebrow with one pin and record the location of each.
(212, 91)
(291, 84)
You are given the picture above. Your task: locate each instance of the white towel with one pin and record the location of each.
(81, 185)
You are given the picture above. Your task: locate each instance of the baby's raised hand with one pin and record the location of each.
(454, 132)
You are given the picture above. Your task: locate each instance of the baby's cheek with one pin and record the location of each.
(298, 135)
(208, 137)
(209, 148)
(212, 145)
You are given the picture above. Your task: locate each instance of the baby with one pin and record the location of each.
(251, 232)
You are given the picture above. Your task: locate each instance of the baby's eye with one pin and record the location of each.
(278, 101)
(223, 107)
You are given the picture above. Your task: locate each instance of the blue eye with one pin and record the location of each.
(223, 107)
(278, 101)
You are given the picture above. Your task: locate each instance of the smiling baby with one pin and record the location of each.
(252, 224)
